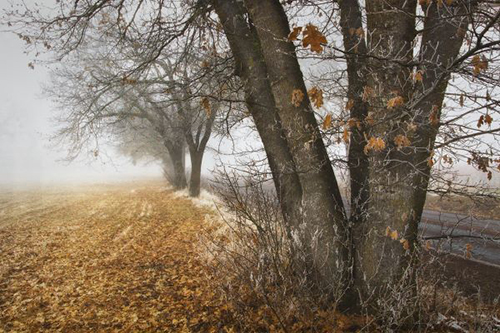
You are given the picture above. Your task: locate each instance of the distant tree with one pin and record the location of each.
(97, 97)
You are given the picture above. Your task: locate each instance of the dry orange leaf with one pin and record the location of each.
(327, 121)
(394, 235)
(346, 134)
(349, 105)
(360, 32)
(369, 119)
(401, 141)
(316, 96)
(314, 38)
(480, 121)
(406, 243)
(479, 63)
(294, 33)
(374, 143)
(488, 119)
(430, 159)
(434, 116)
(351, 122)
(368, 92)
(468, 249)
(205, 103)
(418, 77)
(297, 97)
(395, 102)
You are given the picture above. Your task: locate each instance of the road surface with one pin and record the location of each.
(482, 235)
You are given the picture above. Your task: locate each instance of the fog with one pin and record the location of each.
(26, 154)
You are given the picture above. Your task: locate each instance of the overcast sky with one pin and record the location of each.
(25, 127)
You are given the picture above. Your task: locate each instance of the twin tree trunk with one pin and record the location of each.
(388, 188)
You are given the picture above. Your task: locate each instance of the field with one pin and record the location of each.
(103, 258)
(128, 258)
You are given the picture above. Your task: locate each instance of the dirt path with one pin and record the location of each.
(120, 258)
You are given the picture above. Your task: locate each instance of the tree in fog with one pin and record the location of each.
(163, 102)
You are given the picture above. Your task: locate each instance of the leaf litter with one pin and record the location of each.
(115, 258)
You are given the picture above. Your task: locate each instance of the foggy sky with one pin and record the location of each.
(25, 127)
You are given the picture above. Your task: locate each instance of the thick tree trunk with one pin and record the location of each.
(260, 101)
(399, 176)
(384, 262)
(177, 155)
(195, 180)
(355, 47)
(324, 234)
(444, 32)
(301, 169)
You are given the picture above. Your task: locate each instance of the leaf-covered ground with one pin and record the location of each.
(109, 258)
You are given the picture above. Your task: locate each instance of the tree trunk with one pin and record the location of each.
(195, 180)
(399, 176)
(323, 235)
(260, 101)
(177, 155)
(355, 47)
(383, 267)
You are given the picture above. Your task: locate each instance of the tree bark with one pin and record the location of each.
(323, 233)
(399, 176)
(195, 180)
(177, 155)
(383, 263)
(251, 68)
(355, 52)
(444, 32)
(310, 222)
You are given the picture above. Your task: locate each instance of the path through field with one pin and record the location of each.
(107, 258)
